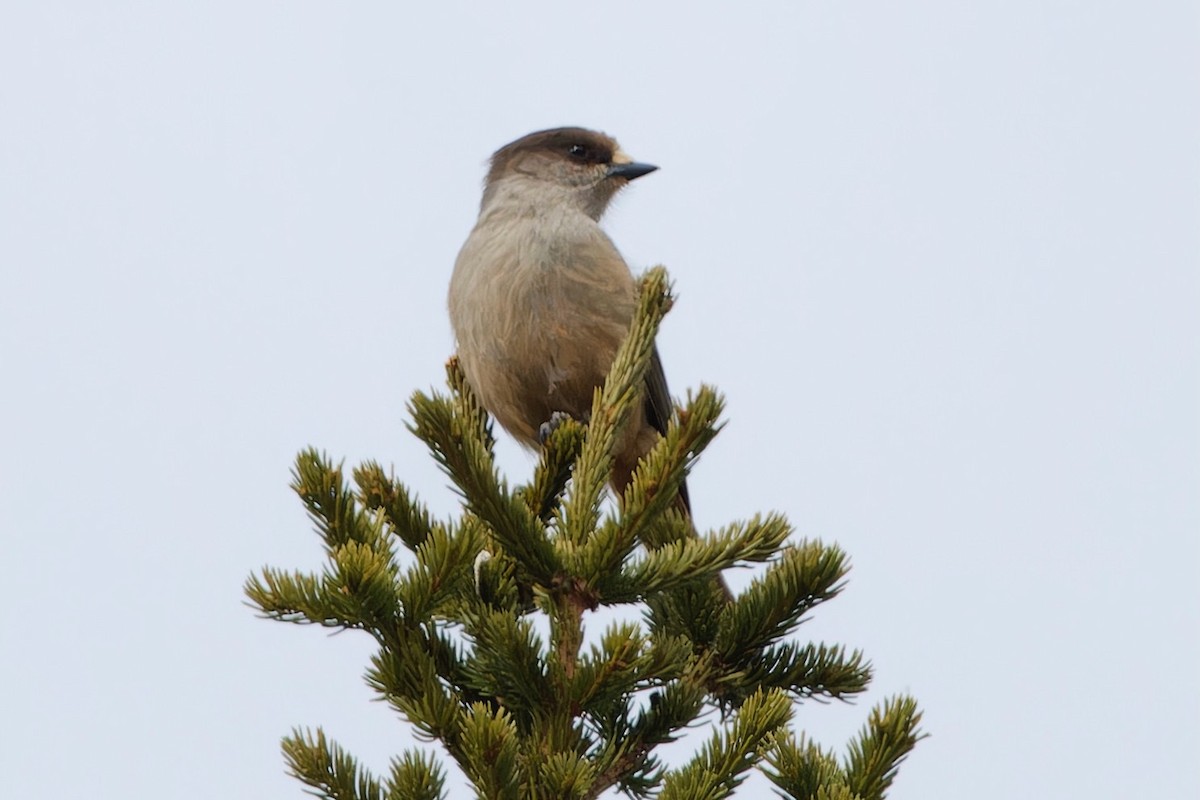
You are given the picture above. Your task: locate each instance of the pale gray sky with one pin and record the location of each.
(941, 258)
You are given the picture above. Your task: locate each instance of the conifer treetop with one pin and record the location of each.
(451, 606)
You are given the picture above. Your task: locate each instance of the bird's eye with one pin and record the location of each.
(578, 152)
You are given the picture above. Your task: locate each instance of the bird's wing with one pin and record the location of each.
(658, 410)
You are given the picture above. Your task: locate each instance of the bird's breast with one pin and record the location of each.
(538, 311)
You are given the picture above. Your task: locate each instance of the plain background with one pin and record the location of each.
(940, 257)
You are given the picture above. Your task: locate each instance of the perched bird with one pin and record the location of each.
(541, 299)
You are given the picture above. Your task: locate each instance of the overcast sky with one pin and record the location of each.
(940, 257)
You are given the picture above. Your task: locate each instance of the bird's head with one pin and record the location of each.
(573, 165)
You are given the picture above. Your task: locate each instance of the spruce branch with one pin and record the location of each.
(460, 446)
(298, 598)
(416, 776)
(327, 769)
(613, 406)
(572, 774)
(490, 753)
(884, 742)
(808, 671)
(507, 664)
(805, 771)
(436, 585)
(681, 562)
(653, 491)
(657, 480)
(625, 662)
(406, 517)
(722, 763)
(332, 507)
(407, 676)
(468, 408)
(559, 454)
(804, 575)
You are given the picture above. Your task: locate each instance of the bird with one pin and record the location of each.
(540, 298)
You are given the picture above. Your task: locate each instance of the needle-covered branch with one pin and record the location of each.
(722, 763)
(805, 574)
(327, 769)
(683, 561)
(804, 771)
(461, 449)
(613, 406)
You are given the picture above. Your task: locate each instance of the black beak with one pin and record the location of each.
(630, 171)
